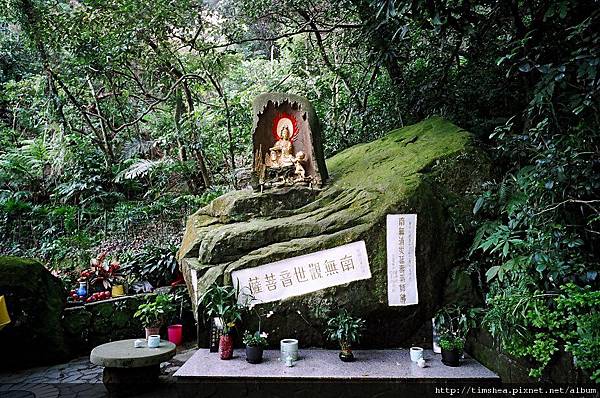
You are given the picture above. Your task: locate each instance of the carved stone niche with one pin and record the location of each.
(273, 111)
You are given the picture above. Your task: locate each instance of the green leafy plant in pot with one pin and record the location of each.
(453, 323)
(221, 302)
(452, 349)
(255, 343)
(346, 330)
(154, 314)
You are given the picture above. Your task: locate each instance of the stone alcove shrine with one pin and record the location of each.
(274, 111)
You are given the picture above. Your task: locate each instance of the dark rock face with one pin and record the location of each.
(430, 168)
(35, 300)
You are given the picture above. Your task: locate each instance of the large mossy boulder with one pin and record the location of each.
(431, 168)
(35, 300)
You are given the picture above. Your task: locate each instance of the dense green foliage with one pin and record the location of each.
(118, 118)
(156, 311)
(539, 241)
(221, 301)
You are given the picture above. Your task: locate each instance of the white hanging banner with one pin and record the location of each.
(303, 274)
(194, 275)
(401, 260)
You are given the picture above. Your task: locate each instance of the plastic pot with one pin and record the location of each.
(451, 357)
(151, 331)
(254, 354)
(347, 355)
(117, 290)
(175, 334)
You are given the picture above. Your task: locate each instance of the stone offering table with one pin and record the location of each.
(128, 369)
(320, 372)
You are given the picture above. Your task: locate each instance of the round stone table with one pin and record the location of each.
(128, 369)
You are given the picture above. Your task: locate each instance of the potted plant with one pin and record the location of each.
(128, 281)
(453, 323)
(452, 348)
(154, 313)
(346, 330)
(175, 328)
(255, 343)
(103, 275)
(118, 286)
(221, 302)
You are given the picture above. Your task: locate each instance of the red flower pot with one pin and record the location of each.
(174, 333)
(226, 347)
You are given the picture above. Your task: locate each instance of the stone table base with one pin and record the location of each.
(128, 381)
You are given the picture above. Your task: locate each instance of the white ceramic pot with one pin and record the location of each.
(289, 348)
(416, 353)
(153, 341)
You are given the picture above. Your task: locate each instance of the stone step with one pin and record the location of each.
(378, 373)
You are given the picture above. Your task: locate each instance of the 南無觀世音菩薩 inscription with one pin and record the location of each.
(303, 274)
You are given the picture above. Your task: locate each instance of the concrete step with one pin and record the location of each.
(321, 373)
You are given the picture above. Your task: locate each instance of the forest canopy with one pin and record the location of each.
(120, 117)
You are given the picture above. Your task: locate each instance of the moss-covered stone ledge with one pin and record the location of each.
(92, 324)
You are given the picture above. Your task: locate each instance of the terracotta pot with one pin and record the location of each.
(451, 357)
(254, 354)
(150, 331)
(226, 347)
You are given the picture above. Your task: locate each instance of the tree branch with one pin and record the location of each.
(151, 106)
(556, 206)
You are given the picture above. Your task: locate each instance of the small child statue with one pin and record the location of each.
(300, 172)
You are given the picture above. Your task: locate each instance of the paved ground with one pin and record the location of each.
(76, 379)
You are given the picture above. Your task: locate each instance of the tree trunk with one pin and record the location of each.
(177, 74)
(381, 40)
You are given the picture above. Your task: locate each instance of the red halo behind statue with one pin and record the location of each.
(282, 119)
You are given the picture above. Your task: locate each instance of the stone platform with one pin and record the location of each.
(318, 372)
